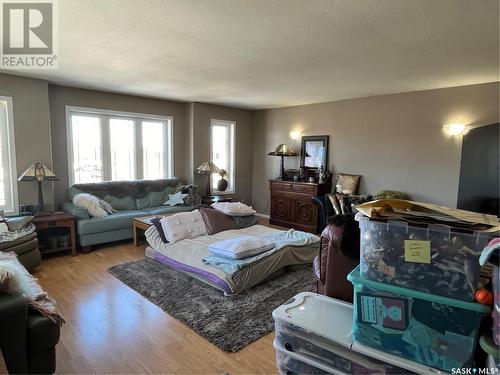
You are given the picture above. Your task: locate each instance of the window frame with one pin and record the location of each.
(232, 155)
(11, 153)
(137, 118)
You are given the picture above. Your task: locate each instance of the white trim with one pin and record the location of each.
(137, 118)
(11, 145)
(232, 155)
(97, 111)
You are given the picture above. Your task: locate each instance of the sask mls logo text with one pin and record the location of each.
(28, 34)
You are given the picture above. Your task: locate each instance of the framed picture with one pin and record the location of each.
(314, 152)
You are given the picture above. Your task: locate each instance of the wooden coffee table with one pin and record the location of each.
(142, 224)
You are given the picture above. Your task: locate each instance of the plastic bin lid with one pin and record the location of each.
(324, 316)
(355, 278)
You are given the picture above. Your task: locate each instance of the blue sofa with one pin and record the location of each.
(131, 199)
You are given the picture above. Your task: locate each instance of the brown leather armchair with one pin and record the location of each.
(339, 255)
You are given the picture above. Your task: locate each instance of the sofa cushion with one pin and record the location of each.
(167, 209)
(152, 199)
(121, 204)
(118, 220)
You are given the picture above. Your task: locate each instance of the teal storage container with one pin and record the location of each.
(437, 331)
(448, 266)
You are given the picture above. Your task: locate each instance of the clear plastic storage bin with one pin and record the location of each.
(319, 329)
(430, 258)
(436, 331)
(291, 363)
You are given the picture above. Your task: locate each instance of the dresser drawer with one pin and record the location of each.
(281, 185)
(304, 188)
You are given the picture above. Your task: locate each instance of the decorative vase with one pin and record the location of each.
(222, 184)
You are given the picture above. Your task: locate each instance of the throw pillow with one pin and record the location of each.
(16, 223)
(175, 199)
(121, 204)
(234, 209)
(345, 206)
(152, 199)
(335, 203)
(90, 203)
(14, 279)
(193, 197)
(245, 221)
(183, 225)
(216, 221)
(157, 225)
(347, 183)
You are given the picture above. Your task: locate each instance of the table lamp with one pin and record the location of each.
(38, 172)
(282, 150)
(207, 168)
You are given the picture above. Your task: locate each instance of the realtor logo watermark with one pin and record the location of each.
(28, 34)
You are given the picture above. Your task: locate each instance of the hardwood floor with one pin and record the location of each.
(112, 329)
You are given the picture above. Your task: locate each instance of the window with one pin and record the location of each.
(223, 152)
(8, 181)
(108, 145)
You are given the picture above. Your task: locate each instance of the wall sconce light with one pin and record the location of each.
(295, 134)
(455, 129)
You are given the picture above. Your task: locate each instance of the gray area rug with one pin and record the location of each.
(230, 323)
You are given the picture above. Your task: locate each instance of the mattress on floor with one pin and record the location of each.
(187, 255)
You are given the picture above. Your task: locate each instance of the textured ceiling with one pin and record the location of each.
(273, 53)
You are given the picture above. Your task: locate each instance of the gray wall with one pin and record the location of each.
(202, 114)
(30, 102)
(61, 96)
(393, 141)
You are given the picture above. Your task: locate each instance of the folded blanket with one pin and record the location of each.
(281, 239)
(240, 247)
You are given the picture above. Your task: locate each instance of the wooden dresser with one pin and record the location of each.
(292, 206)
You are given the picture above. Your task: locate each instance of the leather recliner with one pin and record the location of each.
(339, 255)
(27, 339)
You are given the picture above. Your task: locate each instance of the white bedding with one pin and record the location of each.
(190, 252)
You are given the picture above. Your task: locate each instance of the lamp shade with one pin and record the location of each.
(38, 172)
(283, 150)
(208, 168)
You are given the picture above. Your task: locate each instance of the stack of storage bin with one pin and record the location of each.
(490, 342)
(313, 336)
(414, 292)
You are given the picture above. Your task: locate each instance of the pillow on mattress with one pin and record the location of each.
(183, 225)
(216, 221)
(240, 247)
(157, 225)
(234, 209)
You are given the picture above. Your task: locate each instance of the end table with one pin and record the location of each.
(44, 223)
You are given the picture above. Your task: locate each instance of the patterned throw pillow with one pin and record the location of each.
(347, 183)
(193, 197)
